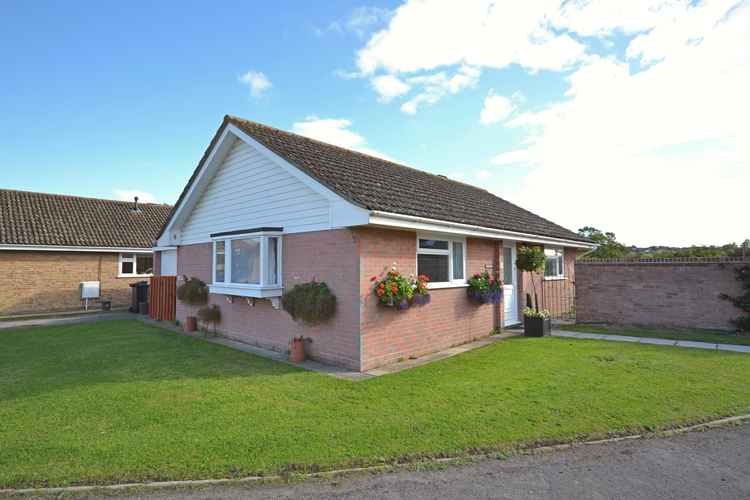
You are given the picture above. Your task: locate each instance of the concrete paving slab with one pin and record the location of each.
(733, 348)
(644, 340)
(696, 345)
(622, 338)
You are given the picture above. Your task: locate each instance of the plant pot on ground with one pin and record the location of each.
(536, 323)
(297, 349)
(192, 292)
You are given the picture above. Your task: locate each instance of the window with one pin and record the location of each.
(136, 264)
(442, 259)
(247, 264)
(554, 265)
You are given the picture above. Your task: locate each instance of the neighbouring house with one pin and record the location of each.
(266, 209)
(50, 244)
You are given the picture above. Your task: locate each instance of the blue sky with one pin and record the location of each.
(98, 98)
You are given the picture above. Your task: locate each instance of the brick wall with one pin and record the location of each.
(329, 256)
(40, 282)
(663, 293)
(450, 319)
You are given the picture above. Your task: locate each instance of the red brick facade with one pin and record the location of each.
(362, 334)
(34, 282)
(672, 294)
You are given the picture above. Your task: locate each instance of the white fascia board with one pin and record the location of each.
(52, 248)
(167, 248)
(386, 219)
(343, 212)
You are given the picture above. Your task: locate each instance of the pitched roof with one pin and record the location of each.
(28, 218)
(377, 184)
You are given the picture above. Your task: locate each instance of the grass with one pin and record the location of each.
(714, 337)
(120, 401)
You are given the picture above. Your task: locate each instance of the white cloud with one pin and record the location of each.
(389, 86)
(660, 155)
(360, 22)
(257, 81)
(437, 85)
(335, 131)
(496, 109)
(130, 194)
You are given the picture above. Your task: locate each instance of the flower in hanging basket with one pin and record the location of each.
(485, 288)
(396, 290)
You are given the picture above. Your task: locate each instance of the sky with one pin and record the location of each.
(631, 117)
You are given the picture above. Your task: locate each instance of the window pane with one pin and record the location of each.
(127, 256)
(434, 266)
(127, 267)
(458, 261)
(219, 262)
(246, 261)
(508, 265)
(144, 264)
(549, 266)
(273, 261)
(433, 244)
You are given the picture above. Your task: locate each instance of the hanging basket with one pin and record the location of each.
(485, 296)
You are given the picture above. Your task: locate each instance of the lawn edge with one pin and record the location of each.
(401, 464)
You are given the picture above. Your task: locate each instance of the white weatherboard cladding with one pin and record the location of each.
(248, 190)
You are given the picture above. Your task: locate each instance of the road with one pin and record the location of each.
(697, 465)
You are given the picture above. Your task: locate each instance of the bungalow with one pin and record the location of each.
(266, 209)
(50, 244)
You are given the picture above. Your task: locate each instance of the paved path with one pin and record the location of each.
(67, 319)
(706, 465)
(645, 340)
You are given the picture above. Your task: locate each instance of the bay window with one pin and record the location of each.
(442, 259)
(247, 263)
(554, 263)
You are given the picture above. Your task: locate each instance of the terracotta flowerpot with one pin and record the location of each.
(297, 350)
(191, 324)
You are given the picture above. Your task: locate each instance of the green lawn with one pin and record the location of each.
(119, 401)
(714, 337)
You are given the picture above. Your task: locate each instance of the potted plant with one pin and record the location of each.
(192, 292)
(396, 290)
(421, 295)
(211, 315)
(536, 323)
(297, 349)
(311, 303)
(485, 288)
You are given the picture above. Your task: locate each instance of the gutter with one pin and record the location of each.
(400, 220)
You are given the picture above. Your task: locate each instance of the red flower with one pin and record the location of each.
(373, 278)
(381, 286)
(380, 292)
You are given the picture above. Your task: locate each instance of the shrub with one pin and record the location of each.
(534, 313)
(312, 303)
(210, 315)
(742, 302)
(193, 292)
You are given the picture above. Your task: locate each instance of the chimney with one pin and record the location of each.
(135, 206)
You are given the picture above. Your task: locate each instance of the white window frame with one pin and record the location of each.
(561, 273)
(263, 289)
(452, 283)
(133, 259)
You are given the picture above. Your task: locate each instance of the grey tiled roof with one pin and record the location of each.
(377, 184)
(28, 218)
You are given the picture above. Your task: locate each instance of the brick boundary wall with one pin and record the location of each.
(681, 293)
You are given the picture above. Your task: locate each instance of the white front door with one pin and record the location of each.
(510, 297)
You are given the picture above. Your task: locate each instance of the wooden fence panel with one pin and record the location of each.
(163, 298)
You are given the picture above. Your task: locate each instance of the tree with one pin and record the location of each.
(607, 245)
(531, 260)
(741, 302)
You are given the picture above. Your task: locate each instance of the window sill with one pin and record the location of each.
(554, 278)
(256, 291)
(135, 275)
(438, 286)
